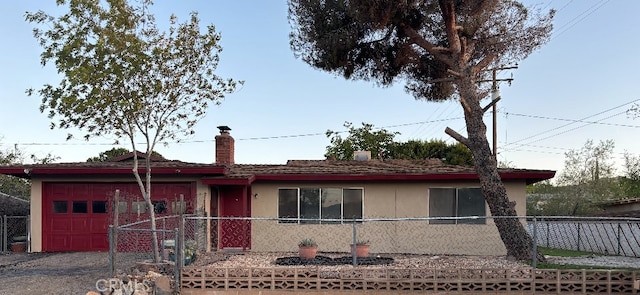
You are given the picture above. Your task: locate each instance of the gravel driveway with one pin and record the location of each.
(52, 273)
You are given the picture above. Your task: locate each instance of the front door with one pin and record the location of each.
(234, 234)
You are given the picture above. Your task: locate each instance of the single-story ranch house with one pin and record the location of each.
(71, 203)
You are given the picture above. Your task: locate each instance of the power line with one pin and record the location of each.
(571, 123)
(382, 127)
(249, 138)
(589, 10)
(572, 129)
(571, 120)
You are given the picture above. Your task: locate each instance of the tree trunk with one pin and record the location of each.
(512, 232)
(152, 214)
(145, 190)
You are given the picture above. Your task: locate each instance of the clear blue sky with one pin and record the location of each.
(589, 67)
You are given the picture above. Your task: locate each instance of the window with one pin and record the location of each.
(139, 207)
(456, 202)
(79, 207)
(122, 207)
(288, 204)
(99, 207)
(159, 207)
(333, 205)
(60, 207)
(178, 207)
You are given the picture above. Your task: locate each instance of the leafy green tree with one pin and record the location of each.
(12, 185)
(15, 186)
(115, 152)
(122, 76)
(455, 154)
(630, 181)
(381, 143)
(588, 178)
(378, 142)
(442, 50)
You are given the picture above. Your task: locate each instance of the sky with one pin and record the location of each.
(577, 87)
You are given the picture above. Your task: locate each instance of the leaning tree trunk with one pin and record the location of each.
(512, 232)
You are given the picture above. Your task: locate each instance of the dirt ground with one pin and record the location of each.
(52, 273)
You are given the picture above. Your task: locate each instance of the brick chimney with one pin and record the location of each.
(224, 147)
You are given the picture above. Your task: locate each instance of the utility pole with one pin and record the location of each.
(495, 97)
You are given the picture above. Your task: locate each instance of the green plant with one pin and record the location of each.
(362, 242)
(308, 242)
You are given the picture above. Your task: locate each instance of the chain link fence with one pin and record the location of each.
(131, 245)
(181, 239)
(607, 236)
(428, 236)
(14, 233)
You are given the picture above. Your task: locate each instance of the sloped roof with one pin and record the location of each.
(370, 170)
(293, 170)
(115, 166)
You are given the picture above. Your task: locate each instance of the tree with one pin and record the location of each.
(115, 152)
(630, 182)
(122, 76)
(378, 142)
(15, 186)
(443, 50)
(588, 177)
(454, 154)
(12, 185)
(381, 143)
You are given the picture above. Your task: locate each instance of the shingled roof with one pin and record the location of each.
(293, 170)
(119, 165)
(340, 170)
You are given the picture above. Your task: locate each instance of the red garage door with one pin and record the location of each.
(76, 216)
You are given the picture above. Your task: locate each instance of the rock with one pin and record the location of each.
(152, 275)
(163, 286)
(92, 293)
(140, 292)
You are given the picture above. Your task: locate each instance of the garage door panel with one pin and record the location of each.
(80, 190)
(100, 242)
(80, 242)
(60, 224)
(99, 225)
(76, 216)
(58, 242)
(80, 224)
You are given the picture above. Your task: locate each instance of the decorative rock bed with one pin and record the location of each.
(328, 261)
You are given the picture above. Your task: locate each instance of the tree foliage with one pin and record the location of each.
(381, 143)
(11, 185)
(454, 154)
(630, 181)
(442, 50)
(587, 178)
(122, 76)
(115, 152)
(378, 142)
(16, 186)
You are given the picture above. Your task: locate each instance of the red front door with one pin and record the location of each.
(234, 202)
